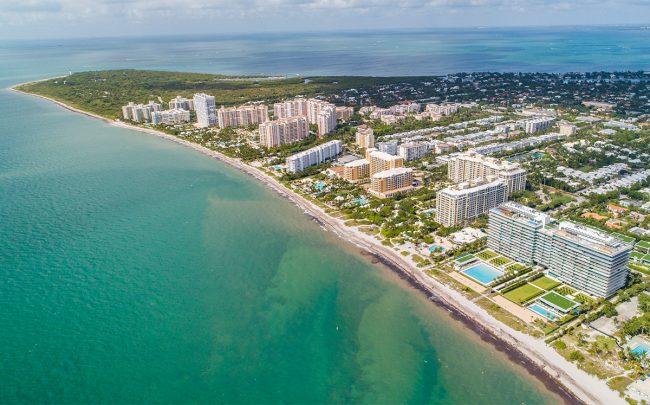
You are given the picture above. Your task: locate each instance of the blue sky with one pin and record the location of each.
(83, 18)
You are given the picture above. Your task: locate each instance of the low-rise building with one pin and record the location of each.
(389, 147)
(314, 156)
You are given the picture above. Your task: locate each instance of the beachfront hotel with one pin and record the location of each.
(365, 137)
(206, 110)
(471, 166)
(465, 201)
(314, 156)
(585, 258)
(380, 161)
(140, 112)
(181, 103)
(387, 183)
(413, 150)
(356, 171)
(170, 117)
(283, 131)
(242, 116)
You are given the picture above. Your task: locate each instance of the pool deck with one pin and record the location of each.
(466, 281)
(522, 313)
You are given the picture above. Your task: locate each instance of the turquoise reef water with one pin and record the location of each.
(135, 270)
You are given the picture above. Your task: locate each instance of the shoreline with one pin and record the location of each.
(556, 373)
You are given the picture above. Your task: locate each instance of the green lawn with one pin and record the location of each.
(500, 261)
(636, 256)
(524, 293)
(546, 283)
(558, 300)
(565, 290)
(643, 246)
(486, 254)
(624, 238)
(464, 258)
(515, 267)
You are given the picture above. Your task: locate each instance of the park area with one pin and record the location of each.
(545, 283)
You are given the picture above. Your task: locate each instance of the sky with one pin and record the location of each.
(97, 18)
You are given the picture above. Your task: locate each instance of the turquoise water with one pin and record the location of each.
(640, 350)
(135, 270)
(483, 273)
(542, 311)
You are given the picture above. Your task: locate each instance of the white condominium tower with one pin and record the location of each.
(170, 117)
(465, 201)
(283, 131)
(314, 156)
(585, 258)
(206, 110)
(538, 124)
(471, 166)
(140, 112)
(181, 103)
(242, 116)
(365, 137)
(326, 119)
(413, 150)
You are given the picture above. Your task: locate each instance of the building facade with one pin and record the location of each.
(140, 112)
(283, 131)
(206, 110)
(380, 161)
(365, 137)
(413, 150)
(314, 156)
(588, 259)
(387, 183)
(463, 202)
(181, 103)
(357, 171)
(242, 116)
(472, 166)
(170, 117)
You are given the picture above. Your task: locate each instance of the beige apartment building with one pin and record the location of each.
(387, 183)
(242, 116)
(283, 131)
(462, 202)
(472, 166)
(380, 161)
(365, 137)
(357, 171)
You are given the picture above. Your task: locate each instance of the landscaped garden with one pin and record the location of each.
(545, 283)
(558, 301)
(486, 254)
(524, 293)
(500, 261)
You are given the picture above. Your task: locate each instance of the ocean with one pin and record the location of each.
(136, 270)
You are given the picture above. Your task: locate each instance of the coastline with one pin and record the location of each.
(558, 375)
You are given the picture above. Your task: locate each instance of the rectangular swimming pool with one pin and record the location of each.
(482, 273)
(640, 350)
(543, 312)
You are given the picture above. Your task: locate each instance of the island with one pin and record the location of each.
(518, 201)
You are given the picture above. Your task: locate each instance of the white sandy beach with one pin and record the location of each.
(584, 386)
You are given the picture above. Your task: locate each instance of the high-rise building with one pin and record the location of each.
(206, 110)
(181, 103)
(326, 120)
(290, 108)
(356, 171)
(585, 258)
(465, 201)
(140, 112)
(314, 156)
(365, 137)
(242, 116)
(387, 183)
(413, 150)
(471, 166)
(283, 131)
(380, 161)
(170, 117)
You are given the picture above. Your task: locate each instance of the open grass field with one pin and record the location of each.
(558, 300)
(500, 261)
(515, 267)
(524, 293)
(545, 283)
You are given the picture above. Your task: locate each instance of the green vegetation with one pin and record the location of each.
(486, 254)
(500, 261)
(524, 293)
(546, 283)
(565, 290)
(558, 300)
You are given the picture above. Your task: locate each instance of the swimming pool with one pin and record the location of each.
(543, 312)
(640, 350)
(482, 273)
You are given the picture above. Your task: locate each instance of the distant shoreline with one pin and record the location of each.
(556, 373)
